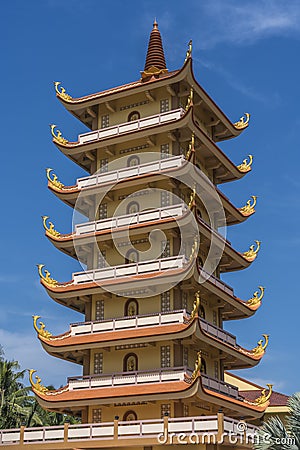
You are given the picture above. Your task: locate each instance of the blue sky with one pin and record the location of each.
(245, 55)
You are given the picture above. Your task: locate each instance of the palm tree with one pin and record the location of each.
(13, 394)
(275, 435)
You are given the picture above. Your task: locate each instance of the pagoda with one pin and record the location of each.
(151, 342)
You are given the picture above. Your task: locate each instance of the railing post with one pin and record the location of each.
(116, 427)
(66, 431)
(220, 434)
(166, 424)
(22, 429)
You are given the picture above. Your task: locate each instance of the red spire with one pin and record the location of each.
(155, 58)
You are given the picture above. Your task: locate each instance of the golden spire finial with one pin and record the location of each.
(191, 147)
(57, 137)
(243, 122)
(190, 99)
(264, 397)
(196, 305)
(189, 51)
(61, 93)
(50, 229)
(249, 208)
(41, 331)
(251, 254)
(192, 199)
(197, 367)
(246, 165)
(46, 277)
(54, 181)
(261, 347)
(37, 386)
(257, 297)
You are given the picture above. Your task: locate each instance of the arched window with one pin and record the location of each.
(130, 416)
(203, 366)
(134, 115)
(131, 307)
(130, 363)
(132, 256)
(132, 208)
(133, 160)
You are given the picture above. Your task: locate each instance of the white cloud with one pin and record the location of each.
(246, 22)
(27, 350)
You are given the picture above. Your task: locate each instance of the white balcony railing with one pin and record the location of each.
(132, 269)
(128, 378)
(127, 127)
(130, 322)
(110, 431)
(148, 320)
(150, 215)
(115, 176)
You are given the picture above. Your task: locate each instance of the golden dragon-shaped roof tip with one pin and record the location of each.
(192, 199)
(191, 147)
(264, 397)
(50, 229)
(189, 51)
(246, 165)
(54, 181)
(249, 208)
(190, 99)
(261, 346)
(196, 306)
(195, 248)
(46, 277)
(62, 92)
(41, 331)
(197, 367)
(243, 122)
(57, 137)
(251, 254)
(37, 386)
(257, 297)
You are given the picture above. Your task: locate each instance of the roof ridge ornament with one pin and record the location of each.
(190, 99)
(264, 398)
(245, 166)
(196, 306)
(191, 147)
(189, 51)
(50, 229)
(41, 331)
(243, 122)
(58, 137)
(37, 386)
(192, 199)
(195, 247)
(54, 181)
(46, 276)
(249, 208)
(197, 367)
(257, 297)
(251, 254)
(61, 93)
(261, 347)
